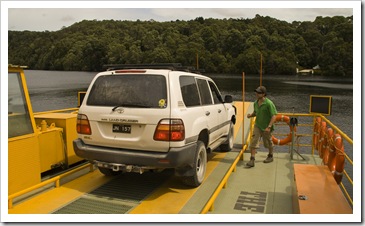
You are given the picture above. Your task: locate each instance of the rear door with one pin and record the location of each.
(211, 112)
(223, 120)
(124, 109)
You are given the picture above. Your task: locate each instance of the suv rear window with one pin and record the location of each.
(135, 90)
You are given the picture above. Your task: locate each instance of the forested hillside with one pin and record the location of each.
(222, 46)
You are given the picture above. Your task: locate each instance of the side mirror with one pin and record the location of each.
(228, 99)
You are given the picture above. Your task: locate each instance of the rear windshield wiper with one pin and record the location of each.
(131, 105)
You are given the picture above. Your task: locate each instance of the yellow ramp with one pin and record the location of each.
(53, 199)
(170, 197)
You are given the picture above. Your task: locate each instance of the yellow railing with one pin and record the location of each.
(57, 111)
(55, 180)
(209, 206)
(349, 140)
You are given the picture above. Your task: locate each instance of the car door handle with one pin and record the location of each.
(219, 110)
(207, 113)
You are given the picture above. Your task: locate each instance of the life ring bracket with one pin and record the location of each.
(288, 139)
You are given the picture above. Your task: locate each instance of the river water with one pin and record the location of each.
(50, 90)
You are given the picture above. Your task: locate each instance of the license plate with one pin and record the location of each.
(117, 128)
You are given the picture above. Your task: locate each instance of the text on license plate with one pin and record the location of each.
(118, 128)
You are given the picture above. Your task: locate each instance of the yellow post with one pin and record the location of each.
(261, 70)
(197, 61)
(243, 109)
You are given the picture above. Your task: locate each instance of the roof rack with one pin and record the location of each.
(168, 66)
(17, 66)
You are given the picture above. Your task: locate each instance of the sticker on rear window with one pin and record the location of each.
(162, 103)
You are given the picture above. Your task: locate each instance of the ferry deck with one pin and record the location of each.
(229, 188)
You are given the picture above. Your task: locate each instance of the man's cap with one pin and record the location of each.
(260, 89)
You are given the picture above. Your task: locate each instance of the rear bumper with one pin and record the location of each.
(175, 158)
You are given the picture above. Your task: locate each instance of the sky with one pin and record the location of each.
(42, 16)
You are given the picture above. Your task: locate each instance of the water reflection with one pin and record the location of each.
(50, 90)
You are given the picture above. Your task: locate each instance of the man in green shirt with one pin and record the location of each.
(265, 113)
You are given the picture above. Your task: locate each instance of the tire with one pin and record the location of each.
(199, 166)
(228, 144)
(108, 172)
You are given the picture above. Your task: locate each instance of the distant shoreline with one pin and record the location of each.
(322, 84)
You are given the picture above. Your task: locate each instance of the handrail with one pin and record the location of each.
(324, 118)
(55, 180)
(56, 111)
(209, 206)
(343, 135)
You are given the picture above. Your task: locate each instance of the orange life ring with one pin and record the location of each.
(331, 163)
(328, 142)
(316, 131)
(340, 158)
(286, 119)
(322, 137)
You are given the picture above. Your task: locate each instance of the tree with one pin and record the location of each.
(234, 43)
(227, 45)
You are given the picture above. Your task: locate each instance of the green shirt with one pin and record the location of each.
(264, 113)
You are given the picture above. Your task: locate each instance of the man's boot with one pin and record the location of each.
(269, 158)
(251, 163)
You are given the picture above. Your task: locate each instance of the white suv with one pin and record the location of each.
(133, 120)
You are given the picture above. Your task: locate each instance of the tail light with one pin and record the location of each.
(170, 130)
(83, 125)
